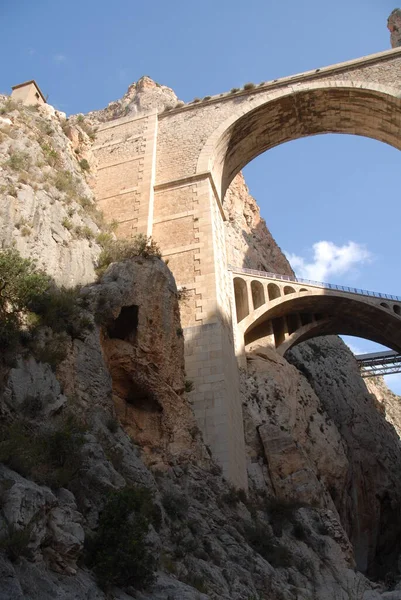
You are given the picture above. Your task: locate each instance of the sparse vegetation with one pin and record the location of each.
(66, 182)
(51, 155)
(19, 161)
(263, 542)
(8, 106)
(175, 504)
(119, 250)
(249, 86)
(112, 425)
(118, 553)
(49, 457)
(189, 386)
(233, 496)
(83, 163)
(15, 542)
(67, 223)
(234, 90)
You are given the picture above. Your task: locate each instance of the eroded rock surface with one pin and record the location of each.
(394, 25)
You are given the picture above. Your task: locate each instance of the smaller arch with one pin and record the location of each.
(274, 291)
(397, 309)
(258, 294)
(303, 290)
(384, 305)
(241, 298)
(288, 290)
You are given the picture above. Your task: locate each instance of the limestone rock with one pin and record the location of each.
(143, 96)
(394, 25)
(45, 223)
(387, 400)
(51, 525)
(249, 242)
(369, 503)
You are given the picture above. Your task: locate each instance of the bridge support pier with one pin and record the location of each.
(188, 211)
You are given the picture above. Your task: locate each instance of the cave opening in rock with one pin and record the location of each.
(125, 327)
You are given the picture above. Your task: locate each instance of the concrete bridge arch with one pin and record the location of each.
(299, 312)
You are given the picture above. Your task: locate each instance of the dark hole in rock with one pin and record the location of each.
(125, 327)
(142, 399)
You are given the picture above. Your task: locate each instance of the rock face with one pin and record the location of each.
(142, 342)
(142, 96)
(43, 195)
(388, 402)
(394, 25)
(249, 242)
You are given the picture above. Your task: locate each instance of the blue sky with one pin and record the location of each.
(343, 190)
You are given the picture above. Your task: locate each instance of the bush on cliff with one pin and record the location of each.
(30, 299)
(118, 553)
(119, 250)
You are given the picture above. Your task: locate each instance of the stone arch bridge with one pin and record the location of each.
(166, 174)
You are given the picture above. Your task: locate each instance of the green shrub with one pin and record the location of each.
(233, 496)
(51, 155)
(118, 553)
(175, 504)
(66, 182)
(48, 457)
(84, 232)
(67, 223)
(261, 540)
(20, 284)
(112, 425)
(15, 542)
(19, 161)
(8, 106)
(119, 250)
(60, 309)
(188, 385)
(249, 86)
(84, 165)
(234, 90)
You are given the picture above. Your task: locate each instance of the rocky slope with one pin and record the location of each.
(323, 462)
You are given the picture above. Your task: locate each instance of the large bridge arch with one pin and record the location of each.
(349, 107)
(333, 312)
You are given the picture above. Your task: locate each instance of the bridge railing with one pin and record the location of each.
(329, 286)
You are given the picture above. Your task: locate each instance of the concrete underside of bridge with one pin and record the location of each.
(301, 318)
(166, 174)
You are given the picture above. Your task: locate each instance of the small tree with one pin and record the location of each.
(20, 284)
(118, 553)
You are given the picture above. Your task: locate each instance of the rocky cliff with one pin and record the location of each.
(106, 486)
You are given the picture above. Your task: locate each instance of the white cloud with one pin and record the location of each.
(329, 259)
(394, 382)
(59, 58)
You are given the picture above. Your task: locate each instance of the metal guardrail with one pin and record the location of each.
(329, 286)
(379, 363)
